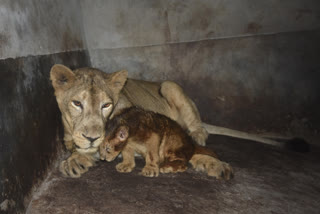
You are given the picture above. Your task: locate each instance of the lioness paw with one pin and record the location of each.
(124, 167)
(76, 165)
(150, 171)
(221, 170)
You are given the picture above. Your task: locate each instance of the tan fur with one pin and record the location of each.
(161, 141)
(93, 88)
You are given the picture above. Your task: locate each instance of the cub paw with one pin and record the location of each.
(150, 171)
(221, 171)
(124, 167)
(200, 136)
(76, 164)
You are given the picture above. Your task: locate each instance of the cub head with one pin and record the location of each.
(114, 143)
(86, 98)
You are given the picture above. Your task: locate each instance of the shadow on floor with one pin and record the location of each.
(267, 180)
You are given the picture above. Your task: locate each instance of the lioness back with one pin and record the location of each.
(146, 95)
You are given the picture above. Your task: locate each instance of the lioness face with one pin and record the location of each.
(89, 110)
(86, 98)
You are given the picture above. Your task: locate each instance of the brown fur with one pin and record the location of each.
(82, 94)
(161, 141)
(84, 124)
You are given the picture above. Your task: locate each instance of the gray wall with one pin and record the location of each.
(249, 65)
(34, 35)
(39, 27)
(131, 23)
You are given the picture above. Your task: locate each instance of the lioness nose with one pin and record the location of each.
(91, 139)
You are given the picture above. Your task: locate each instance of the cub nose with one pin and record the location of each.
(91, 139)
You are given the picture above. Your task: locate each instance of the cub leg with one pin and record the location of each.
(173, 166)
(151, 169)
(128, 163)
(187, 114)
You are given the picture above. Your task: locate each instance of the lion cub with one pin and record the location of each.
(161, 141)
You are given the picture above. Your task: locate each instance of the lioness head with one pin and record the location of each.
(86, 98)
(114, 143)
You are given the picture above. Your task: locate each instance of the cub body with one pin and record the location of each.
(165, 146)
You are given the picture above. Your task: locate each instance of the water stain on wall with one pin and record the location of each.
(4, 40)
(253, 28)
(30, 121)
(71, 41)
(300, 13)
(167, 31)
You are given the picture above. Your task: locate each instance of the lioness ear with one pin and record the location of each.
(117, 80)
(122, 133)
(61, 76)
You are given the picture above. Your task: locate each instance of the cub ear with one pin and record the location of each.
(117, 80)
(61, 76)
(122, 133)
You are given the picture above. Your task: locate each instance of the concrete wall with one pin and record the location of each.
(39, 27)
(34, 35)
(131, 23)
(249, 65)
(236, 59)
(258, 84)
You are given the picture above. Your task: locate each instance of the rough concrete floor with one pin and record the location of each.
(267, 180)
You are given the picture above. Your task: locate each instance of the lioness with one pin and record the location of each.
(88, 98)
(161, 141)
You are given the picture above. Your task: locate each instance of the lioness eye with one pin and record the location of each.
(106, 105)
(77, 103)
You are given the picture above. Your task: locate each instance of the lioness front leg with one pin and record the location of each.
(128, 162)
(69, 145)
(77, 164)
(185, 111)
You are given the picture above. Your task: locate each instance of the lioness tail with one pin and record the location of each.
(294, 144)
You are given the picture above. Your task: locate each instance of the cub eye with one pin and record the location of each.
(106, 105)
(77, 103)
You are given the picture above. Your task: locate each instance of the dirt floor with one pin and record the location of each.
(267, 180)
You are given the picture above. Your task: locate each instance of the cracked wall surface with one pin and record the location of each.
(248, 65)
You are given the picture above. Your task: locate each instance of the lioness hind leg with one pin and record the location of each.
(213, 166)
(221, 170)
(173, 166)
(186, 112)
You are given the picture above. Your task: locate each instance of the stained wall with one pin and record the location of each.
(34, 35)
(248, 65)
